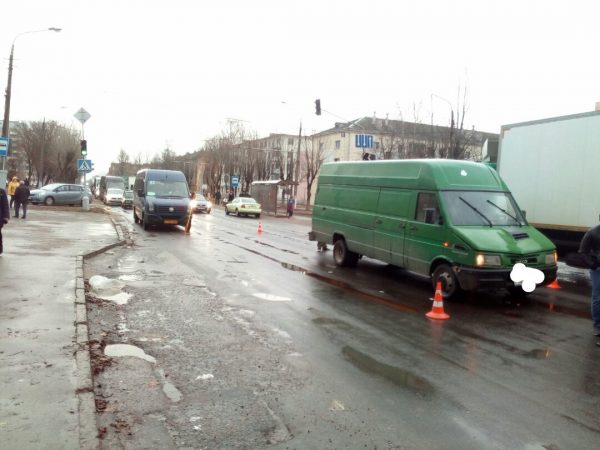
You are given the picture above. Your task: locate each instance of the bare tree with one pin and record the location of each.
(457, 142)
(213, 154)
(265, 162)
(313, 160)
(168, 159)
(123, 162)
(50, 149)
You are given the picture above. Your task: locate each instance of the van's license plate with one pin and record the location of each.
(171, 221)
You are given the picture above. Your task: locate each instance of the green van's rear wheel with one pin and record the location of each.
(450, 286)
(342, 256)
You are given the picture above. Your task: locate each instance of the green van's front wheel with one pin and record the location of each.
(342, 256)
(450, 286)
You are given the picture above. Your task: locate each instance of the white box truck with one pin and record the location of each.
(553, 169)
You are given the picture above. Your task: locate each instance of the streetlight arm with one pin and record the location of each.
(35, 31)
(5, 123)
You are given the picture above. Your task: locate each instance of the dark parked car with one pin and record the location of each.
(60, 194)
(127, 201)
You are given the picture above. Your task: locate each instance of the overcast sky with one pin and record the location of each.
(158, 73)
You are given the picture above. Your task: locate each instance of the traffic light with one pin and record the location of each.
(318, 107)
(83, 147)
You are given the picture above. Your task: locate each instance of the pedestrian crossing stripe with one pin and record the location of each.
(84, 166)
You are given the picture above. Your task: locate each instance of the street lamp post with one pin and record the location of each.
(5, 123)
(451, 121)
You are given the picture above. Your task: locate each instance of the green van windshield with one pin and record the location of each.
(482, 208)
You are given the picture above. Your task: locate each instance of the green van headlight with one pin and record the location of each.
(487, 260)
(551, 258)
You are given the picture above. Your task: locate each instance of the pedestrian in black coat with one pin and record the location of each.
(21, 199)
(4, 213)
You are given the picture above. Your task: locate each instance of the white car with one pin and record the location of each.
(113, 197)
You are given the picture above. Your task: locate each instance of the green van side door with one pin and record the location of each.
(390, 225)
(424, 233)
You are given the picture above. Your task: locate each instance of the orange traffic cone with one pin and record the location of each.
(554, 284)
(260, 228)
(437, 312)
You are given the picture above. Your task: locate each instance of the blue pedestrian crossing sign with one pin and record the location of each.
(3, 146)
(84, 165)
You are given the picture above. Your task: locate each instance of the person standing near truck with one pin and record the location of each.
(12, 187)
(590, 247)
(4, 213)
(291, 203)
(21, 199)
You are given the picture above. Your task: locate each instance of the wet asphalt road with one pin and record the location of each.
(260, 341)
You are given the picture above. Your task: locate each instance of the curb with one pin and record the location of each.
(88, 428)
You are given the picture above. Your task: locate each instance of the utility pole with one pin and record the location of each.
(6, 121)
(40, 180)
(297, 174)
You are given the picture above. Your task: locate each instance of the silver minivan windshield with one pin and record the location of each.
(482, 208)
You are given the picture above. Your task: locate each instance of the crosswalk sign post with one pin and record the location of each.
(84, 165)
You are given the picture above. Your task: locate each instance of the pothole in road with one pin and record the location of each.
(396, 375)
(117, 350)
(109, 289)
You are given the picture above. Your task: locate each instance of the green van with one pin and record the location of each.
(447, 220)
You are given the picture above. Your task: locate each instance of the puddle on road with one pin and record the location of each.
(573, 275)
(340, 324)
(105, 286)
(336, 405)
(396, 375)
(109, 289)
(168, 388)
(271, 297)
(194, 282)
(131, 277)
(349, 288)
(537, 353)
(172, 392)
(119, 299)
(206, 376)
(276, 248)
(117, 350)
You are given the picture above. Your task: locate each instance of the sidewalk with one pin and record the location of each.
(46, 399)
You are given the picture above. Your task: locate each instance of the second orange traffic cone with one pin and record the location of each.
(260, 228)
(437, 311)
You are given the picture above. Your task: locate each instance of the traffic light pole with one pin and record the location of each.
(83, 150)
(84, 200)
(82, 115)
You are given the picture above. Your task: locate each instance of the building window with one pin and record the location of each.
(320, 145)
(290, 141)
(343, 134)
(337, 145)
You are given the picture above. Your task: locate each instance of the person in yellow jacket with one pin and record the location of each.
(12, 187)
